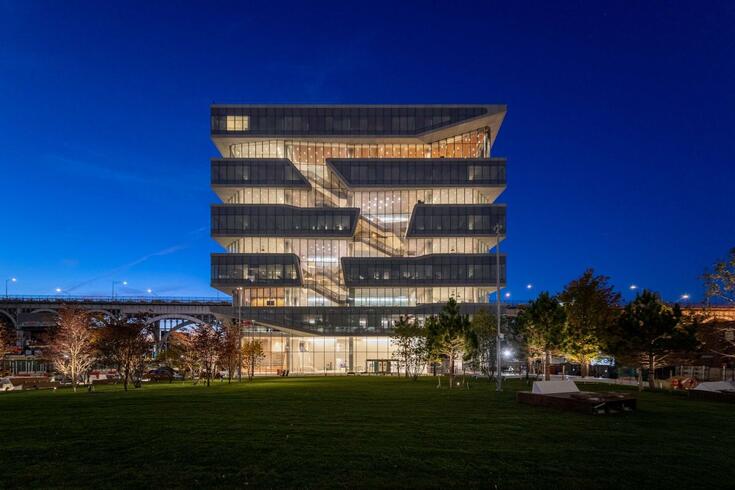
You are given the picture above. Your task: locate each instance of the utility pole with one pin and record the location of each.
(498, 350)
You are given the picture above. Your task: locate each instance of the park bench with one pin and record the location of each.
(33, 382)
(565, 395)
(719, 391)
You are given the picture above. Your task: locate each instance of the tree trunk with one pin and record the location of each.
(451, 371)
(640, 378)
(585, 368)
(547, 366)
(651, 365)
(73, 378)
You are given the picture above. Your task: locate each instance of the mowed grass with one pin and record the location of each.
(355, 432)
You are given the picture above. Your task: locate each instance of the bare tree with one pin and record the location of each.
(126, 342)
(72, 346)
(252, 354)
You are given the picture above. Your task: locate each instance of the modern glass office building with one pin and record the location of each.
(336, 220)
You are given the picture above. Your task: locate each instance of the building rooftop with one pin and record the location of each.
(233, 123)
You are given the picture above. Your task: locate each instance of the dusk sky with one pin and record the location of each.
(620, 132)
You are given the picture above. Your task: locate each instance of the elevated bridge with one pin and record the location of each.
(31, 316)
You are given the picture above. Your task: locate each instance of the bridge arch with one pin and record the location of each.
(104, 312)
(12, 320)
(176, 316)
(45, 310)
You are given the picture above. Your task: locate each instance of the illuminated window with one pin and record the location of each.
(238, 123)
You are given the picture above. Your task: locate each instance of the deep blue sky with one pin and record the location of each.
(620, 133)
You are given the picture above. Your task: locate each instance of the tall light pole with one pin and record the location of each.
(239, 334)
(12, 279)
(124, 283)
(498, 351)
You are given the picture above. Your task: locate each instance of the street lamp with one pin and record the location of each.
(239, 334)
(124, 283)
(58, 290)
(633, 287)
(529, 286)
(12, 279)
(498, 338)
(685, 296)
(507, 295)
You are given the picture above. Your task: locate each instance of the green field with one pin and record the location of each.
(355, 432)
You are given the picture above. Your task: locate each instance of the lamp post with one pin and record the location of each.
(498, 350)
(239, 335)
(12, 279)
(124, 283)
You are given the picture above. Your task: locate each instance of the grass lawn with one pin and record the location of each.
(355, 432)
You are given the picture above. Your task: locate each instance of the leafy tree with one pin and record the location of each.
(434, 356)
(649, 332)
(484, 340)
(7, 341)
(230, 349)
(252, 354)
(72, 345)
(182, 352)
(126, 342)
(591, 307)
(409, 338)
(720, 282)
(206, 346)
(171, 352)
(718, 335)
(542, 325)
(448, 335)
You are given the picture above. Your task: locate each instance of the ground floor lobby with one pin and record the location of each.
(325, 355)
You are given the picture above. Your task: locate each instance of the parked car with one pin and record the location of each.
(7, 385)
(163, 374)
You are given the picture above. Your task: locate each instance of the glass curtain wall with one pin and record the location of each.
(381, 228)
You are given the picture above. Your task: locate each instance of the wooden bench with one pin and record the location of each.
(565, 395)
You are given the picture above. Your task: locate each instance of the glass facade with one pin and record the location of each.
(426, 270)
(325, 355)
(268, 172)
(338, 121)
(457, 220)
(275, 220)
(251, 269)
(335, 320)
(415, 172)
(330, 235)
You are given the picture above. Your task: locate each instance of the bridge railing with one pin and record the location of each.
(59, 298)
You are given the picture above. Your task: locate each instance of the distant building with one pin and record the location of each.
(336, 220)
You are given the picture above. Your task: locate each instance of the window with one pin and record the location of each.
(238, 123)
